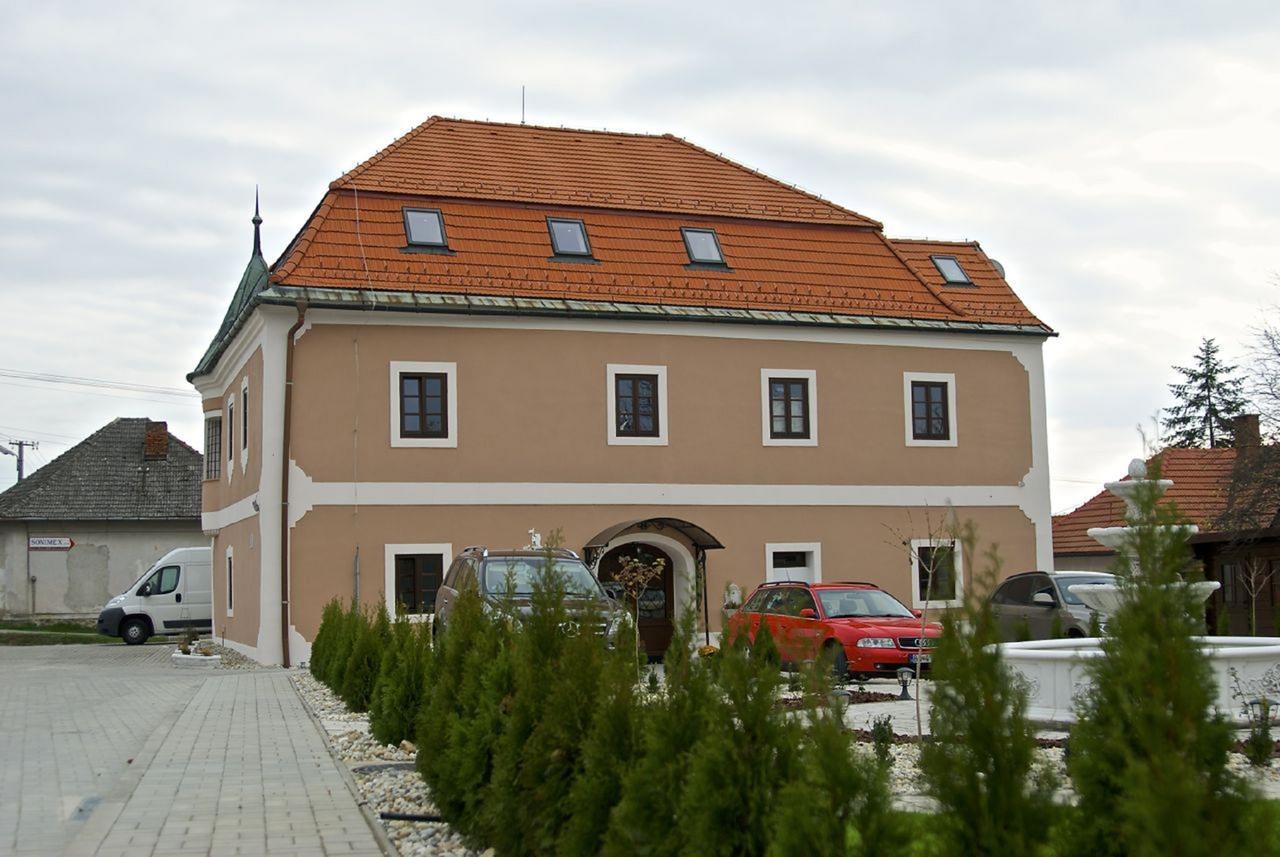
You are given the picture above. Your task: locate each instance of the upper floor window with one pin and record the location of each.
(244, 417)
(212, 447)
(790, 413)
(951, 271)
(424, 404)
(568, 237)
(637, 398)
(703, 246)
(930, 404)
(231, 433)
(424, 408)
(424, 227)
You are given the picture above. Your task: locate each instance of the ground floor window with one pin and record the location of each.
(937, 578)
(413, 577)
(231, 579)
(793, 561)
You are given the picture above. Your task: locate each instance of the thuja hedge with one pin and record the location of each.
(536, 738)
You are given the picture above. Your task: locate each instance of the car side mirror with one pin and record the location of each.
(1044, 599)
(145, 590)
(918, 613)
(808, 613)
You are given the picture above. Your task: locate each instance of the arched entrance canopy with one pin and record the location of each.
(702, 542)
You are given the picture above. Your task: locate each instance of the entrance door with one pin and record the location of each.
(657, 601)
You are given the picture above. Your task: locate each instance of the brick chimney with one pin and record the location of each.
(1246, 431)
(156, 444)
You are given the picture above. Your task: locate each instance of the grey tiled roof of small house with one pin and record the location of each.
(107, 477)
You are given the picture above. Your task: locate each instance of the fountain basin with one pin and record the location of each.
(1055, 673)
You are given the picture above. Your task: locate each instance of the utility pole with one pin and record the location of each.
(22, 446)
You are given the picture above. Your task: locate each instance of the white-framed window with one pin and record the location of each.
(929, 408)
(244, 423)
(937, 573)
(231, 436)
(212, 445)
(231, 581)
(412, 576)
(424, 404)
(637, 404)
(793, 561)
(789, 407)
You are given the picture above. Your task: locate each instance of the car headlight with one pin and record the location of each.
(875, 643)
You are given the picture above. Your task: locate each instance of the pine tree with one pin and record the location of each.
(399, 690)
(369, 635)
(322, 648)
(1208, 397)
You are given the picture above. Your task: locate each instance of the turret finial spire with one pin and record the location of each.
(257, 225)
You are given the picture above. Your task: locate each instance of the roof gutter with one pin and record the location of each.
(284, 483)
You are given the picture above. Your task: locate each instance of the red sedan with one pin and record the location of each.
(868, 631)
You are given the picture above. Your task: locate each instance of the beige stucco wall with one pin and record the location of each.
(866, 543)
(243, 539)
(244, 479)
(532, 408)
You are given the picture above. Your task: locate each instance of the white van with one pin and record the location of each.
(173, 596)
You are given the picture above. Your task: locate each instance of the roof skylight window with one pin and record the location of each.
(568, 237)
(424, 227)
(951, 271)
(703, 246)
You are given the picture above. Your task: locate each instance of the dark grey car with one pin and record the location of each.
(1038, 605)
(502, 574)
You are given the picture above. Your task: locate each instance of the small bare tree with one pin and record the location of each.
(634, 575)
(1255, 577)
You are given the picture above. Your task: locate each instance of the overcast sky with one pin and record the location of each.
(1123, 167)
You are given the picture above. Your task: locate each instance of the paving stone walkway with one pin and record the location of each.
(109, 750)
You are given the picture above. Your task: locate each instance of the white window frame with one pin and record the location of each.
(450, 370)
(916, 600)
(765, 417)
(947, 378)
(445, 549)
(229, 587)
(612, 370)
(814, 549)
(229, 420)
(244, 428)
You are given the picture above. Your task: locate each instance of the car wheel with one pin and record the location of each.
(134, 632)
(1075, 634)
(839, 661)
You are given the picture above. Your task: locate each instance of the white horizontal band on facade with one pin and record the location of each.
(305, 494)
(228, 515)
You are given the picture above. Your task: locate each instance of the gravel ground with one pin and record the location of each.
(384, 787)
(233, 660)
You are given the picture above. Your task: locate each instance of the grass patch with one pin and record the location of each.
(64, 627)
(54, 639)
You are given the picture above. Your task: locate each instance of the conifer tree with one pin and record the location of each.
(335, 661)
(978, 765)
(1208, 397)
(398, 692)
(1148, 753)
(330, 620)
(368, 640)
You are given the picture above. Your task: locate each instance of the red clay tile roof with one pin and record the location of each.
(989, 298)
(496, 184)
(1201, 480)
(599, 169)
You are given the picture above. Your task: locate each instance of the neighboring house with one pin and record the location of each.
(83, 527)
(1244, 557)
(489, 329)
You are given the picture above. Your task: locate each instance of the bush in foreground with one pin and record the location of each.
(402, 674)
(368, 632)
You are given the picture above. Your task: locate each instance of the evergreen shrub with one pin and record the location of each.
(335, 666)
(369, 631)
(322, 648)
(398, 692)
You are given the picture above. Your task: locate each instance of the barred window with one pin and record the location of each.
(212, 447)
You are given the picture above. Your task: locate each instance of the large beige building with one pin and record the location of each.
(490, 329)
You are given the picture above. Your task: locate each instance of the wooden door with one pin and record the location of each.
(657, 602)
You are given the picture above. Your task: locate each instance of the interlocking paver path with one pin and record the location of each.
(109, 750)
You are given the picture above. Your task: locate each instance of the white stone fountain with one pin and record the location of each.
(1055, 669)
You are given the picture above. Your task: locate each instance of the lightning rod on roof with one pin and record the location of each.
(522, 104)
(257, 225)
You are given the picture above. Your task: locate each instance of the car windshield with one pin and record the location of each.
(838, 603)
(519, 574)
(1066, 581)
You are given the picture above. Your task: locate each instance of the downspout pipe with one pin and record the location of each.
(284, 484)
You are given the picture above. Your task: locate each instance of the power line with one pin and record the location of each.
(169, 403)
(41, 434)
(79, 381)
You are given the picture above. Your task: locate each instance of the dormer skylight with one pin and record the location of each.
(951, 271)
(703, 246)
(424, 227)
(568, 237)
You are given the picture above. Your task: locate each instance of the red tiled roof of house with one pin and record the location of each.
(496, 184)
(1201, 481)
(599, 169)
(990, 297)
